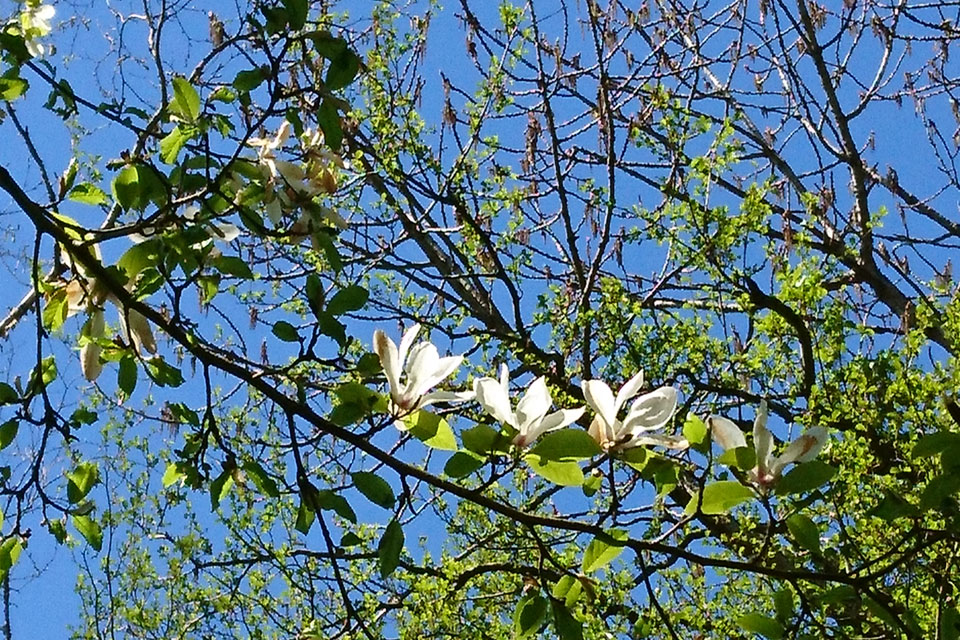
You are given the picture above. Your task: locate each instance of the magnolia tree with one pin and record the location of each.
(362, 320)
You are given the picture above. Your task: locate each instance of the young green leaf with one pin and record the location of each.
(81, 480)
(720, 497)
(90, 530)
(600, 552)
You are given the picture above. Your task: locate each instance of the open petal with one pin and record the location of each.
(445, 396)
(628, 390)
(651, 411)
(726, 433)
(657, 440)
(803, 449)
(140, 332)
(762, 440)
(559, 419)
(492, 396)
(600, 398)
(406, 341)
(534, 404)
(440, 371)
(389, 360)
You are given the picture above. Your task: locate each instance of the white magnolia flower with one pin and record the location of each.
(423, 369)
(530, 418)
(650, 412)
(35, 23)
(768, 469)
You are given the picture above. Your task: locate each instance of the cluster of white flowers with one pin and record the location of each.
(289, 185)
(424, 369)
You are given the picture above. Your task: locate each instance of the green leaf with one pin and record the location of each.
(350, 539)
(720, 497)
(56, 309)
(805, 477)
(892, 507)
(127, 375)
(565, 474)
(600, 552)
(126, 188)
(330, 326)
(296, 13)
(90, 530)
(805, 531)
(592, 484)
(9, 554)
(86, 193)
(328, 119)
(484, 439)
(8, 395)
(938, 490)
(567, 626)
(742, 458)
(462, 463)
(81, 480)
(172, 475)
(783, 602)
(58, 530)
(761, 624)
(305, 518)
(529, 615)
(163, 373)
(186, 100)
(432, 430)
(233, 266)
(566, 445)
(286, 331)
(220, 487)
(351, 298)
(8, 431)
(935, 443)
(12, 88)
(374, 488)
(568, 589)
(950, 624)
(694, 429)
(390, 548)
(342, 71)
(172, 143)
(250, 79)
(329, 501)
(261, 479)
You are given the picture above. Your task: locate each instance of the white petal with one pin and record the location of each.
(650, 411)
(442, 370)
(803, 449)
(600, 398)
(762, 439)
(630, 388)
(386, 349)
(406, 341)
(726, 433)
(90, 363)
(492, 396)
(140, 332)
(534, 404)
(505, 377)
(560, 419)
(445, 396)
(226, 231)
(657, 440)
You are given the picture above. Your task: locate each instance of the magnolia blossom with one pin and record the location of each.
(421, 366)
(530, 418)
(217, 230)
(768, 469)
(650, 412)
(35, 23)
